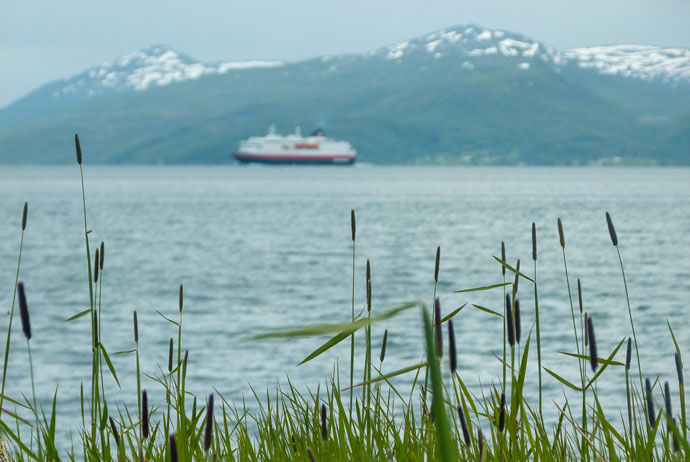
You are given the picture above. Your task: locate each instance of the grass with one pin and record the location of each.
(368, 421)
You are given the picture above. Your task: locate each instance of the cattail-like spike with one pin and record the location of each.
(628, 354)
(561, 236)
(324, 423)
(353, 224)
(368, 286)
(208, 432)
(534, 241)
(676, 444)
(95, 328)
(310, 453)
(593, 358)
(24, 215)
(579, 294)
(517, 321)
(679, 370)
(612, 230)
(173, 448)
(100, 263)
(517, 278)
(116, 434)
(181, 302)
(651, 414)
(24, 311)
(383, 345)
(502, 413)
(136, 328)
(95, 267)
(438, 261)
(480, 439)
(586, 330)
(667, 401)
(503, 257)
(144, 415)
(452, 352)
(463, 425)
(170, 356)
(438, 328)
(510, 325)
(77, 146)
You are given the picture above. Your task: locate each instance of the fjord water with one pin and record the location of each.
(266, 248)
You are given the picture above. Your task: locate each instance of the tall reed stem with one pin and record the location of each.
(352, 337)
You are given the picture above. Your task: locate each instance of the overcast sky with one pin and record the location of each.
(45, 40)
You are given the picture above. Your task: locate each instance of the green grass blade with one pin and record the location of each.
(477, 289)
(380, 378)
(78, 315)
(512, 270)
(487, 310)
(563, 381)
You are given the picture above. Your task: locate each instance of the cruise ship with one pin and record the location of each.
(315, 149)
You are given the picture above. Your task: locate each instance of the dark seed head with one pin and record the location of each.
(510, 325)
(517, 321)
(100, 263)
(144, 415)
(463, 425)
(324, 423)
(310, 453)
(170, 356)
(650, 404)
(667, 401)
(136, 328)
(24, 311)
(438, 261)
(593, 358)
(679, 370)
(438, 328)
(503, 257)
(78, 148)
(579, 294)
(561, 236)
(480, 439)
(502, 413)
(534, 241)
(208, 433)
(612, 230)
(95, 328)
(116, 434)
(173, 448)
(95, 267)
(676, 444)
(451, 348)
(586, 330)
(628, 354)
(368, 286)
(24, 215)
(517, 278)
(181, 301)
(383, 345)
(352, 224)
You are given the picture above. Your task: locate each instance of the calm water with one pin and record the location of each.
(265, 248)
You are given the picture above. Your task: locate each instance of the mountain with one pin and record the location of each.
(460, 95)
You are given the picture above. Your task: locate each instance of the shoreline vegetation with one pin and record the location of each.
(367, 418)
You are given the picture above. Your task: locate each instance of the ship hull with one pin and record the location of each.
(282, 159)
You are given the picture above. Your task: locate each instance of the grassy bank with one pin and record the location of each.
(366, 416)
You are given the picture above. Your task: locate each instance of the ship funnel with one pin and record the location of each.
(298, 131)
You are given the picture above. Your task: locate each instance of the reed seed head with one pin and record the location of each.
(173, 448)
(324, 423)
(310, 453)
(612, 230)
(77, 146)
(517, 278)
(438, 261)
(100, 263)
(136, 328)
(586, 330)
(593, 358)
(651, 414)
(208, 432)
(170, 356)
(510, 325)
(628, 354)
(116, 434)
(667, 401)
(181, 301)
(144, 415)
(561, 236)
(95, 267)
(353, 224)
(383, 345)
(517, 321)
(95, 328)
(679, 370)
(503, 257)
(534, 241)
(579, 294)
(24, 215)
(452, 352)
(438, 328)
(676, 444)
(480, 439)
(502, 413)
(24, 311)
(463, 425)
(368, 286)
